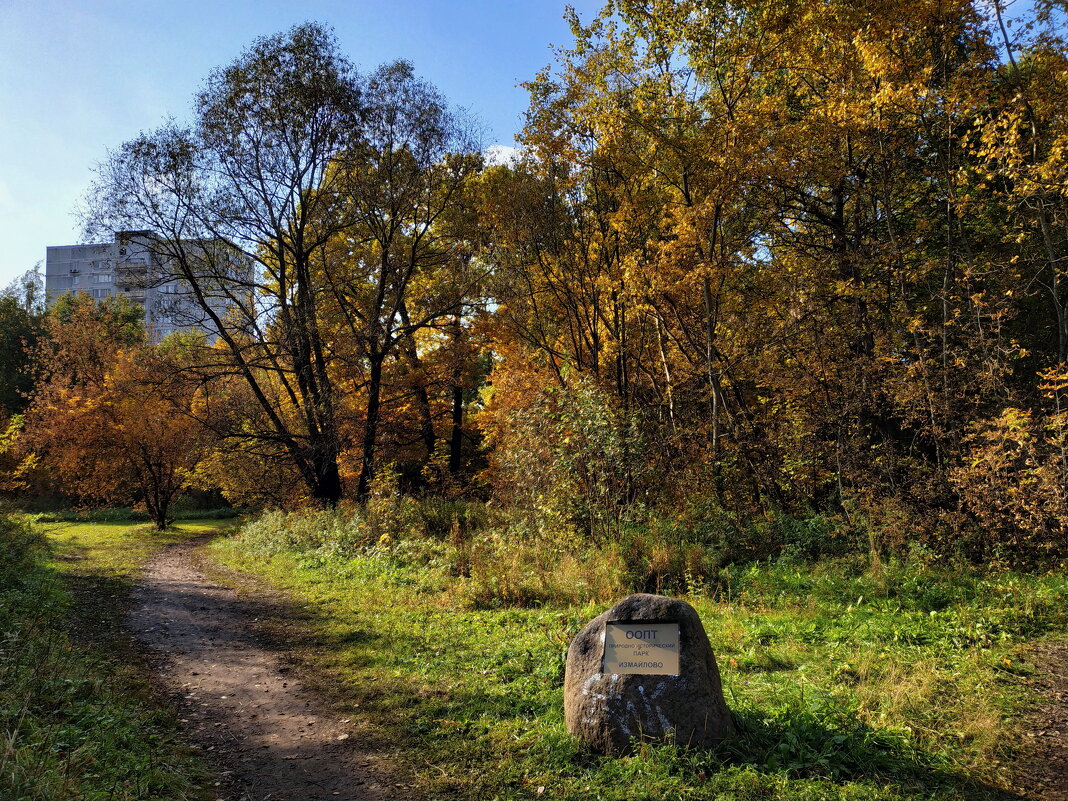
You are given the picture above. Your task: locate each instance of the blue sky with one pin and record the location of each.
(77, 78)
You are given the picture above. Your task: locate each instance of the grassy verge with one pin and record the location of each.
(125, 514)
(849, 683)
(78, 718)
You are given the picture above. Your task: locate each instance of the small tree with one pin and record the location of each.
(97, 419)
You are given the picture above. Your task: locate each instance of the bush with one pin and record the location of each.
(1014, 481)
(438, 517)
(524, 564)
(18, 542)
(511, 558)
(104, 514)
(126, 514)
(334, 530)
(570, 452)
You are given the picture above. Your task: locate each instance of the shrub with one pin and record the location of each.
(335, 530)
(569, 452)
(1013, 480)
(520, 566)
(389, 515)
(18, 542)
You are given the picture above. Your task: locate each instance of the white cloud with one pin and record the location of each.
(497, 155)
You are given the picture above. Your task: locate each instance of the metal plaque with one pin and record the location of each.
(648, 648)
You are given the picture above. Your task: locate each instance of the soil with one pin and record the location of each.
(266, 737)
(1042, 767)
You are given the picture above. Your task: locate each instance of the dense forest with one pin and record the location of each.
(760, 276)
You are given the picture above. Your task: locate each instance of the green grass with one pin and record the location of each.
(125, 514)
(115, 550)
(78, 717)
(848, 683)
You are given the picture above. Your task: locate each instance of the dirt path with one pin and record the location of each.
(268, 739)
(1043, 764)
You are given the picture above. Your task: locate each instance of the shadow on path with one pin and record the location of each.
(1043, 762)
(269, 738)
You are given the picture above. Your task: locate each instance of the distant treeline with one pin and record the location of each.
(753, 262)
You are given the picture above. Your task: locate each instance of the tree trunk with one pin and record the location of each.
(711, 319)
(457, 433)
(422, 398)
(370, 431)
(327, 488)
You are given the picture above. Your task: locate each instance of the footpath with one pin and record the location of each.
(268, 739)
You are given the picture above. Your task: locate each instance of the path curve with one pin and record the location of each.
(268, 739)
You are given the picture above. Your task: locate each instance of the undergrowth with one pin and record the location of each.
(851, 677)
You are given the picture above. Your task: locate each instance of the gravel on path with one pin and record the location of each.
(268, 739)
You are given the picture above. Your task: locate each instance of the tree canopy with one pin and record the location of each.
(752, 260)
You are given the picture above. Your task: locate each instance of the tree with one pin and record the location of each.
(400, 268)
(97, 419)
(239, 204)
(19, 330)
(331, 190)
(28, 290)
(21, 308)
(777, 236)
(80, 337)
(119, 441)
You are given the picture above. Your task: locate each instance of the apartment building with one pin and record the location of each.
(132, 267)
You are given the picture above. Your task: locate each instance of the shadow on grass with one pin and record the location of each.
(99, 603)
(800, 744)
(102, 595)
(74, 693)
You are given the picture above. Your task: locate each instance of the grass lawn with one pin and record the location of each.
(78, 717)
(117, 550)
(898, 683)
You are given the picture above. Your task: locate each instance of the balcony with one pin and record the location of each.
(132, 274)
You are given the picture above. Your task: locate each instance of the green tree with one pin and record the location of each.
(29, 290)
(19, 330)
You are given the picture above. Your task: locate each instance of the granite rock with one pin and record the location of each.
(608, 712)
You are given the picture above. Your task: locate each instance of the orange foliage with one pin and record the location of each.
(100, 424)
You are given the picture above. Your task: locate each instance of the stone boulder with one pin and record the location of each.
(608, 711)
